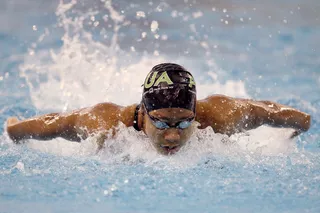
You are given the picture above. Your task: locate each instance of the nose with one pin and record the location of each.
(172, 136)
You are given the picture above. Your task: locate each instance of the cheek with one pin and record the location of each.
(185, 135)
(153, 133)
(156, 135)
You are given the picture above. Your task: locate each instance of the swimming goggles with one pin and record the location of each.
(164, 125)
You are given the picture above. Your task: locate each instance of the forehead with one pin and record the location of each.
(172, 113)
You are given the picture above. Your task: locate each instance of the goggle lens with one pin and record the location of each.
(184, 124)
(160, 124)
(163, 125)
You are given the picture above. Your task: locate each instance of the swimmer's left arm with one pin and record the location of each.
(256, 113)
(228, 115)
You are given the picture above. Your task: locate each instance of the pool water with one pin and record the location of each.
(59, 56)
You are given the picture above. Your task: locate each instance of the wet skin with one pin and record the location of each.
(225, 115)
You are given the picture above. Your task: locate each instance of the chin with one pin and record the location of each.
(169, 151)
(166, 150)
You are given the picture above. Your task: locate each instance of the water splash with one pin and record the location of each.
(84, 71)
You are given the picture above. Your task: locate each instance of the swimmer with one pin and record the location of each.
(167, 114)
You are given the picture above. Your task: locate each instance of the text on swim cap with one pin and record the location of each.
(163, 78)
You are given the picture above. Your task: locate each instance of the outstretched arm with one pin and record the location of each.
(72, 126)
(276, 115)
(230, 115)
(43, 127)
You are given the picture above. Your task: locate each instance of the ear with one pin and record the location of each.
(141, 117)
(143, 109)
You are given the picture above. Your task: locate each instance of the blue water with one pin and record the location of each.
(58, 58)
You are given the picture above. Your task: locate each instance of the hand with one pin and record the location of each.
(12, 120)
(295, 133)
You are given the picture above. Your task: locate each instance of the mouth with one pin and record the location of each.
(170, 149)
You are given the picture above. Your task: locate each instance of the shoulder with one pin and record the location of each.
(106, 106)
(99, 111)
(216, 105)
(220, 106)
(111, 111)
(225, 101)
(217, 99)
(100, 116)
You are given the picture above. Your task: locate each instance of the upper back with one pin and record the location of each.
(105, 116)
(218, 111)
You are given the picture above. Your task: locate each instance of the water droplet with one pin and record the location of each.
(154, 26)
(164, 37)
(20, 166)
(174, 14)
(96, 23)
(197, 14)
(140, 14)
(113, 187)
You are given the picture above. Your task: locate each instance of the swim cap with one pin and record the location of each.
(169, 86)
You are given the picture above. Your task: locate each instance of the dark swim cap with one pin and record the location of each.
(169, 86)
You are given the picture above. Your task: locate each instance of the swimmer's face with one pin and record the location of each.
(169, 129)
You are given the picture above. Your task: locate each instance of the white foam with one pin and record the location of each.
(132, 147)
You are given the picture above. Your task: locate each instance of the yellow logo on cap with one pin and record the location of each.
(153, 78)
(192, 82)
(163, 78)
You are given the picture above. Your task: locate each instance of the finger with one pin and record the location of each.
(295, 133)
(12, 120)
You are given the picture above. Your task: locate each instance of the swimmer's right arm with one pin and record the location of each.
(44, 127)
(73, 126)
